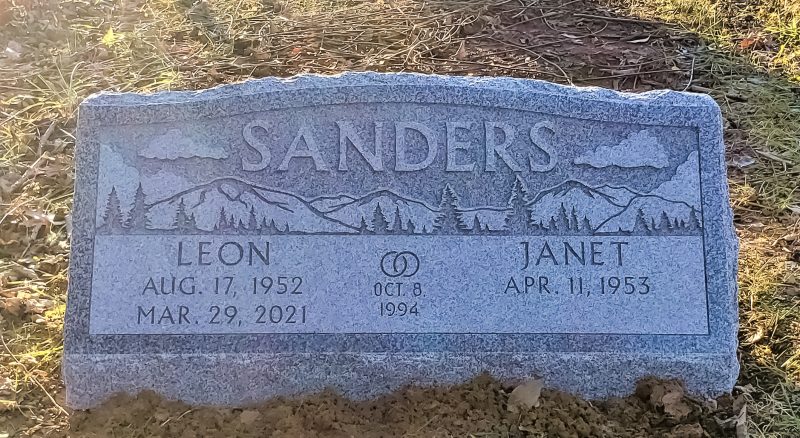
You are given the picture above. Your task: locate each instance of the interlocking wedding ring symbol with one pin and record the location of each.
(397, 264)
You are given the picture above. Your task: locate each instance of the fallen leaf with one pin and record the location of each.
(674, 406)
(461, 53)
(161, 414)
(743, 161)
(693, 430)
(249, 416)
(8, 394)
(35, 218)
(13, 50)
(737, 422)
(12, 306)
(24, 272)
(747, 43)
(525, 396)
(755, 337)
(741, 423)
(109, 38)
(492, 21)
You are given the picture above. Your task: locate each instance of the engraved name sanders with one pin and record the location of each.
(497, 141)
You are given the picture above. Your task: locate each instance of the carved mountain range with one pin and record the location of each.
(608, 209)
(571, 208)
(352, 211)
(235, 200)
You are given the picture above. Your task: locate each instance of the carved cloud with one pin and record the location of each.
(685, 184)
(174, 144)
(639, 149)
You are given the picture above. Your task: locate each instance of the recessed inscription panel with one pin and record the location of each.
(481, 284)
(438, 219)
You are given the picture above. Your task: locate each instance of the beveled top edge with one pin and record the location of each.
(655, 98)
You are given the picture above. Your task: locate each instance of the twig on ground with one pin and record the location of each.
(33, 378)
(32, 169)
(619, 19)
(691, 75)
(45, 137)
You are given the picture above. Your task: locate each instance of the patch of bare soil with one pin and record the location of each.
(481, 407)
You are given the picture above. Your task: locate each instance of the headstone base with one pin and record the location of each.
(245, 379)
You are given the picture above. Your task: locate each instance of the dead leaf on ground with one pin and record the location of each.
(666, 396)
(249, 416)
(12, 306)
(8, 394)
(737, 422)
(13, 50)
(525, 396)
(692, 430)
(675, 406)
(461, 54)
(742, 161)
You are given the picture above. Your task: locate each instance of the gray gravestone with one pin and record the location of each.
(367, 231)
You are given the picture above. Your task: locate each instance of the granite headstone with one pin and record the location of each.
(367, 231)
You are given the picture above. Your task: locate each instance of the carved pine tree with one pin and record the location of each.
(222, 224)
(410, 228)
(252, 221)
(137, 220)
(112, 217)
(476, 225)
(182, 222)
(552, 226)
(563, 219)
(379, 223)
(519, 219)
(397, 224)
(447, 221)
(574, 224)
(586, 228)
(694, 221)
(363, 228)
(640, 225)
(665, 225)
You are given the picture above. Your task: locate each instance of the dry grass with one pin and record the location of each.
(752, 62)
(61, 51)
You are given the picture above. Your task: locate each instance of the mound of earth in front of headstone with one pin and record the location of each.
(480, 407)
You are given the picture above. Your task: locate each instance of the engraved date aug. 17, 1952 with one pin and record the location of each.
(224, 285)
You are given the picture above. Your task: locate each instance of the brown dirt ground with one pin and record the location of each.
(477, 408)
